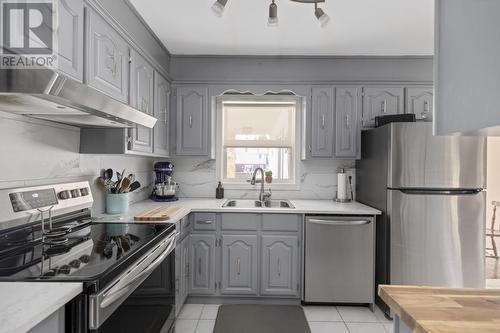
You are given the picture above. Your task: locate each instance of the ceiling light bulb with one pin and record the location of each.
(218, 7)
(322, 17)
(273, 15)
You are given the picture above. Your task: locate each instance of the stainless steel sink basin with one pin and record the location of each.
(258, 204)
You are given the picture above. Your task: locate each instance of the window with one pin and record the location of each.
(257, 132)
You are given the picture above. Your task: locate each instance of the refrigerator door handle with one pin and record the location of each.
(440, 192)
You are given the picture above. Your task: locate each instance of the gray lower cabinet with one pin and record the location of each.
(202, 264)
(280, 265)
(70, 38)
(107, 58)
(322, 122)
(162, 113)
(182, 273)
(192, 121)
(141, 97)
(239, 264)
(347, 125)
(380, 101)
(420, 101)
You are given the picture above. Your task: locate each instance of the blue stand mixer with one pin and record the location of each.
(165, 188)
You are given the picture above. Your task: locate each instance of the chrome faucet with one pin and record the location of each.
(263, 197)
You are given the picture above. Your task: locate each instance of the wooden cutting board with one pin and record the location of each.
(157, 214)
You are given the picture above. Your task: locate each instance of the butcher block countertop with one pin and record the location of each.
(444, 310)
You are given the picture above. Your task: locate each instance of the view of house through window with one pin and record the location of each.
(258, 134)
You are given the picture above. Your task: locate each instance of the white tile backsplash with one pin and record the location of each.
(318, 180)
(35, 152)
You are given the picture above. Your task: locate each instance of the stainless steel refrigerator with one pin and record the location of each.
(431, 192)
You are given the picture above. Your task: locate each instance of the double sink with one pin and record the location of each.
(285, 204)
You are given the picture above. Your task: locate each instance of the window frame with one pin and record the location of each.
(297, 142)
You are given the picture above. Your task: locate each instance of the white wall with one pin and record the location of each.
(35, 152)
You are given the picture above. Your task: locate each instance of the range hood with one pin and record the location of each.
(49, 95)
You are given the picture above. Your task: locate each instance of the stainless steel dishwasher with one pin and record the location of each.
(339, 259)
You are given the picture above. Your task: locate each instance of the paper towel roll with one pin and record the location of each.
(341, 186)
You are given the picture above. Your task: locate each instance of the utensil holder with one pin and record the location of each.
(117, 203)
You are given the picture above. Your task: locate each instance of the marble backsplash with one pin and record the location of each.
(35, 152)
(318, 180)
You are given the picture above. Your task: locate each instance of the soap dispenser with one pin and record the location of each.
(219, 191)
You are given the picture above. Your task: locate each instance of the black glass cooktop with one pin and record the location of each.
(89, 252)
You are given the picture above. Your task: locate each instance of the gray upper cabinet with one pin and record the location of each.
(467, 71)
(107, 58)
(279, 266)
(162, 113)
(381, 101)
(70, 38)
(420, 101)
(141, 97)
(202, 264)
(192, 121)
(347, 124)
(322, 122)
(239, 264)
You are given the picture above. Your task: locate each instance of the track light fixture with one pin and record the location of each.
(273, 15)
(218, 7)
(323, 18)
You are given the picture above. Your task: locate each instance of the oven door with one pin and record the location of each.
(140, 300)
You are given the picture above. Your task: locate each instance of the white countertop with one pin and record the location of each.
(23, 305)
(215, 205)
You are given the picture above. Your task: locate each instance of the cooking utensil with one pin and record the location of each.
(101, 183)
(134, 186)
(125, 183)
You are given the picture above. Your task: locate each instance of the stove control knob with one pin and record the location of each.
(65, 269)
(84, 191)
(75, 193)
(75, 263)
(85, 258)
(64, 195)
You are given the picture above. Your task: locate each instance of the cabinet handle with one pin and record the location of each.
(347, 122)
(177, 285)
(279, 267)
(323, 121)
(204, 221)
(384, 106)
(190, 121)
(238, 266)
(199, 266)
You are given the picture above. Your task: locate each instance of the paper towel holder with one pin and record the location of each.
(337, 199)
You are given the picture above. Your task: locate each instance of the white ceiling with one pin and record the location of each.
(357, 27)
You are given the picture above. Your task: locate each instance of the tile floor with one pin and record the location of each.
(200, 318)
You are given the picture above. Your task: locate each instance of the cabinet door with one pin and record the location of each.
(466, 70)
(141, 98)
(162, 113)
(202, 264)
(107, 58)
(381, 101)
(322, 122)
(279, 265)
(239, 264)
(347, 128)
(192, 121)
(420, 101)
(184, 276)
(70, 38)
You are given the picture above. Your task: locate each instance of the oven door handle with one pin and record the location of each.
(112, 295)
